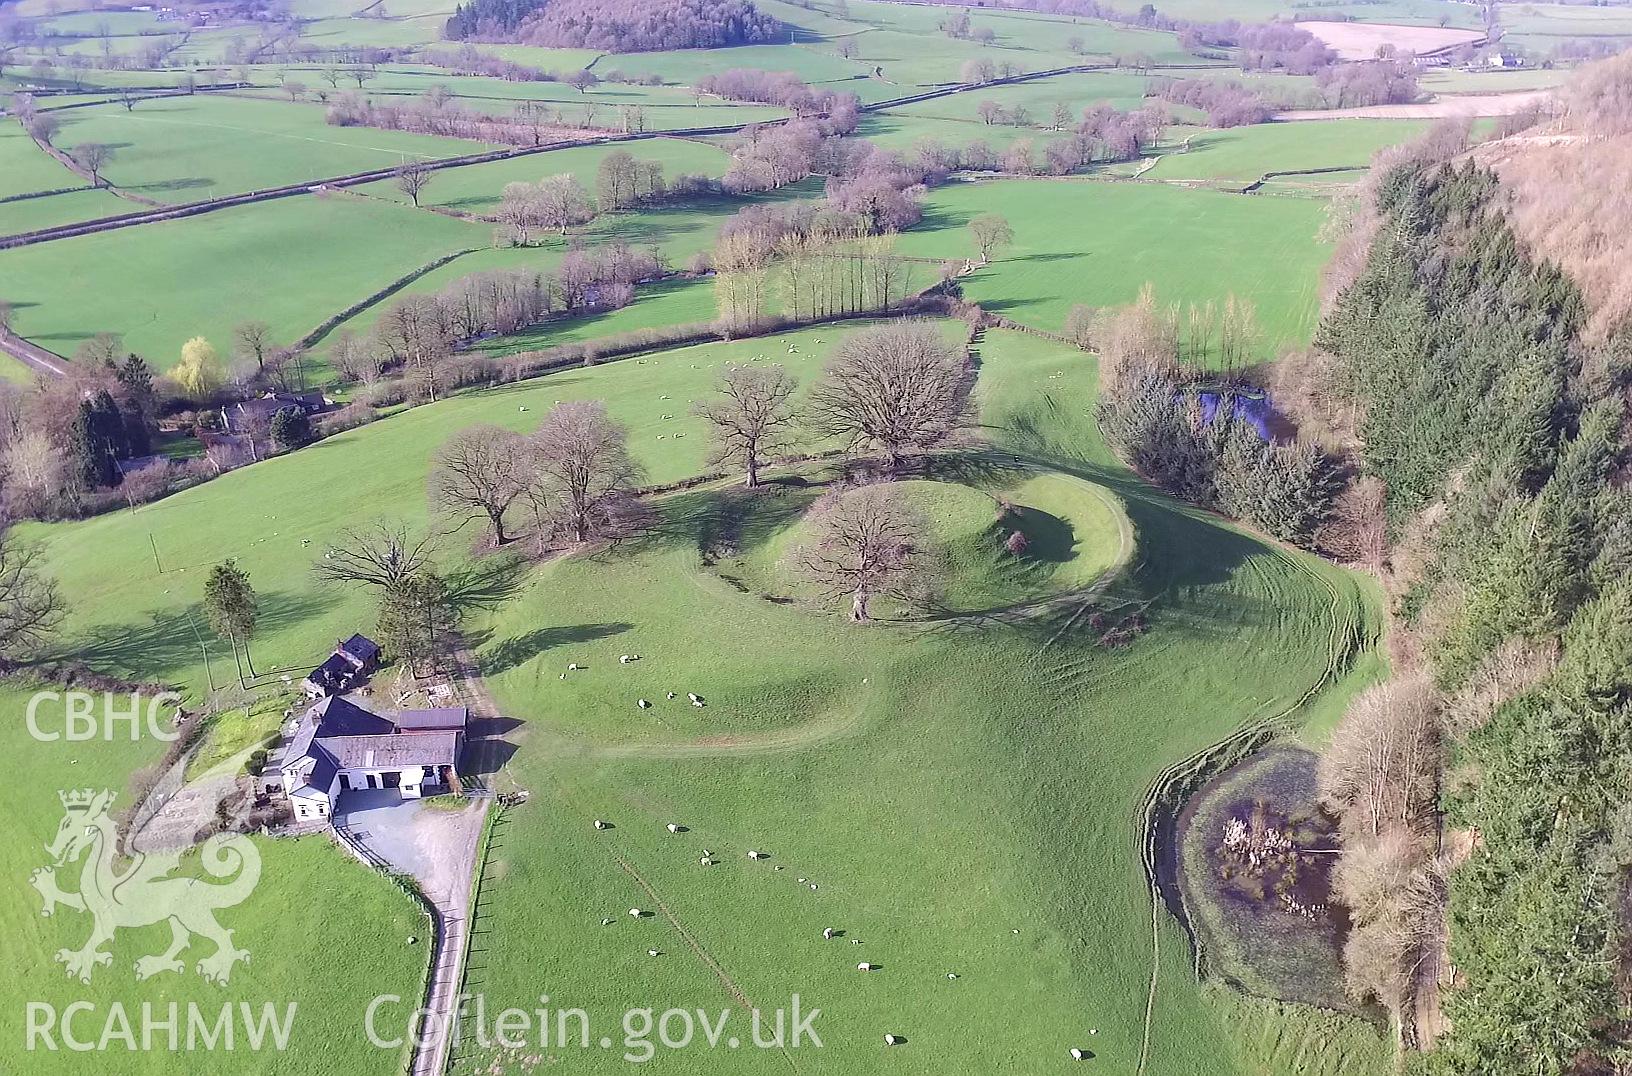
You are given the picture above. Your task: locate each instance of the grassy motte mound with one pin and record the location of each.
(1070, 533)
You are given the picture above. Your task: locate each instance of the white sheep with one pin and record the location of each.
(693, 696)
(601, 823)
(627, 658)
(644, 705)
(1078, 1054)
(607, 921)
(573, 667)
(755, 855)
(827, 934)
(892, 1040)
(705, 861)
(813, 887)
(671, 694)
(673, 828)
(864, 966)
(636, 912)
(696, 702)
(653, 952)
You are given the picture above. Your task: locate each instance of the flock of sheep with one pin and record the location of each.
(828, 933)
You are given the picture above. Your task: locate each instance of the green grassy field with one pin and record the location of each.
(28, 214)
(961, 795)
(911, 736)
(184, 149)
(205, 274)
(670, 302)
(295, 954)
(26, 168)
(129, 619)
(1245, 153)
(477, 188)
(679, 231)
(1098, 243)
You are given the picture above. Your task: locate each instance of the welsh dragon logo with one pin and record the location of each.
(141, 894)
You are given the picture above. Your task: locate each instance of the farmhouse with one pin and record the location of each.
(338, 746)
(253, 417)
(344, 669)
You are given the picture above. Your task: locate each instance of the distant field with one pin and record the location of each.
(1566, 21)
(672, 302)
(183, 149)
(1098, 243)
(679, 231)
(1360, 41)
(1456, 80)
(30, 214)
(25, 167)
(203, 275)
(1245, 153)
(688, 65)
(477, 188)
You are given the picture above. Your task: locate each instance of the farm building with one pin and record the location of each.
(338, 746)
(253, 417)
(344, 669)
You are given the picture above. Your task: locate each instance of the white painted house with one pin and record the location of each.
(337, 746)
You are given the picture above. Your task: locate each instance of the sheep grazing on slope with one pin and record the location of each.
(892, 1040)
(644, 704)
(601, 823)
(673, 827)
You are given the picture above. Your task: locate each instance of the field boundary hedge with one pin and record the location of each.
(330, 323)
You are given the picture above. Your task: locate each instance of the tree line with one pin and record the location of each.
(1492, 431)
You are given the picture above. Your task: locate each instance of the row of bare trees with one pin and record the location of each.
(573, 474)
(892, 390)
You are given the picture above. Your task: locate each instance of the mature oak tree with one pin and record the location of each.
(895, 388)
(750, 418)
(584, 478)
(866, 542)
(480, 473)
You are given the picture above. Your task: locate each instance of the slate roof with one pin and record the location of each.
(446, 718)
(337, 734)
(338, 717)
(394, 751)
(361, 649)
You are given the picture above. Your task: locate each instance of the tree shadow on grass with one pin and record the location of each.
(487, 583)
(510, 653)
(171, 640)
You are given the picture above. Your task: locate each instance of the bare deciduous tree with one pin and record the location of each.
(479, 474)
(254, 340)
(381, 554)
(31, 607)
(412, 179)
(584, 478)
(896, 388)
(1382, 766)
(750, 418)
(865, 543)
(93, 157)
(991, 233)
